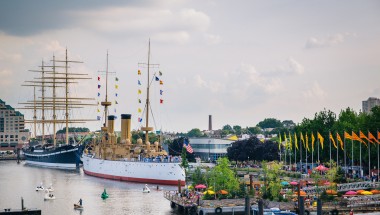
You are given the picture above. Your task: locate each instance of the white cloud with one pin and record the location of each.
(6, 78)
(55, 47)
(6, 57)
(212, 39)
(295, 67)
(134, 21)
(330, 40)
(179, 37)
(213, 86)
(316, 92)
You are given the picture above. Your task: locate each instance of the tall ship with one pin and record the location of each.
(52, 108)
(126, 161)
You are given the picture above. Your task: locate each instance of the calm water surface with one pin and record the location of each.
(20, 180)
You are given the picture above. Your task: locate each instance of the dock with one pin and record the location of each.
(22, 211)
(193, 206)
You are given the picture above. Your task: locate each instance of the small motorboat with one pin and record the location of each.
(50, 188)
(104, 194)
(49, 196)
(40, 188)
(146, 189)
(78, 207)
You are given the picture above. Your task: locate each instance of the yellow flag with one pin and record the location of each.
(116, 86)
(340, 141)
(286, 141)
(320, 139)
(302, 139)
(139, 110)
(295, 140)
(290, 141)
(139, 91)
(312, 141)
(139, 72)
(332, 138)
(279, 144)
(307, 142)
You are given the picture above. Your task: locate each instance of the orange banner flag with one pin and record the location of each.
(320, 139)
(362, 135)
(371, 137)
(332, 138)
(347, 136)
(356, 137)
(340, 141)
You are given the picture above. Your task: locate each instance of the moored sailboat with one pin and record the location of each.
(54, 155)
(125, 161)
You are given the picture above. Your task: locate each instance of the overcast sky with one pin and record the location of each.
(239, 61)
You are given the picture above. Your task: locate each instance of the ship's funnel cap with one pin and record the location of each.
(126, 116)
(111, 117)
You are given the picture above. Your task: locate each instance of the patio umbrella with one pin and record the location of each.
(327, 183)
(302, 193)
(293, 183)
(331, 192)
(367, 193)
(321, 168)
(200, 186)
(375, 191)
(223, 192)
(284, 183)
(359, 191)
(209, 192)
(350, 193)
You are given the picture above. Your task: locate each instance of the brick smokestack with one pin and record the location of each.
(209, 123)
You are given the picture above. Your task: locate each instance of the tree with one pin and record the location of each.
(253, 148)
(176, 149)
(270, 123)
(272, 180)
(184, 162)
(254, 130)
(195, 132)
(222, 177)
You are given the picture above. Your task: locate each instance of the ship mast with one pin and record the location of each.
(106, 103)
(146, 129)
(55, 79)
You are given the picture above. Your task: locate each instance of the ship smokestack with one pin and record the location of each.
(126, 126)
(111, 121)
(209, 122)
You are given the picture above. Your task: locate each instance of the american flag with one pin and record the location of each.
(187, 145)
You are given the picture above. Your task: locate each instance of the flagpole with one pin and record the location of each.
(369, 159)
(377, 156)
(352, 156)
(337, 153)
(330, 148)
(344, 153)
(361, 160)
(295, 155)
(300, 155)
(312, 152)
(318, 149)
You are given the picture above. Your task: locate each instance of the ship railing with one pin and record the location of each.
(176, 197)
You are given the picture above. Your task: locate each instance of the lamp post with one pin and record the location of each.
(248, 165)
(209, 146)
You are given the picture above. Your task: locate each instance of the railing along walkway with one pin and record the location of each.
(343, 187)
(366, 200)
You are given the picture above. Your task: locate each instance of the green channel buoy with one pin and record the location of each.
(104, 194)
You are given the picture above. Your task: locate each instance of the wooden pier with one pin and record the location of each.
(193, 206)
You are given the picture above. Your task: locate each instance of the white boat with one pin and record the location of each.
(50, 188)
(126, 161)
(49, 196)
(40, 187)
(146, 189)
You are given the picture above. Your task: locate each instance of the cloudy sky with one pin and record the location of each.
(239, 61)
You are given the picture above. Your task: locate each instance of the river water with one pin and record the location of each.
(20, 180)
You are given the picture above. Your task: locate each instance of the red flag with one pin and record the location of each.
(161, 101)
(98, 78)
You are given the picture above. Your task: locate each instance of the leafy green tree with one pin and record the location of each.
(270, 123)
(237, 129)
(254, 149)
(184, 162)
(176, 148)
(195, 132)
(272, 181)
(198, 177)
(254, 130)
(222, 177)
